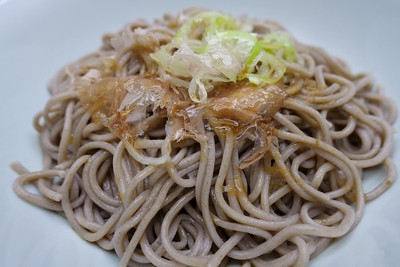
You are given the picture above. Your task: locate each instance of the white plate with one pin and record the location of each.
(37, 37)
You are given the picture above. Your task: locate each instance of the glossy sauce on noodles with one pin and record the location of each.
(121, 105)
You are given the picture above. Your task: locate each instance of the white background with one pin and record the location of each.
(37, 37)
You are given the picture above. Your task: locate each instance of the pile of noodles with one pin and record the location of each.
(162, 182)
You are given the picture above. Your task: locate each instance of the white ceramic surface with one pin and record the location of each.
(37, 37)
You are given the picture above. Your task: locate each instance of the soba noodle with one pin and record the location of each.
(162, 181)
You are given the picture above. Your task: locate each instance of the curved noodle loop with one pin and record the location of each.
(267, 175)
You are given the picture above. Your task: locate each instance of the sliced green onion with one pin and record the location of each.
(274, 42)
(205, 23)
(266, 69)
(210, 47)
